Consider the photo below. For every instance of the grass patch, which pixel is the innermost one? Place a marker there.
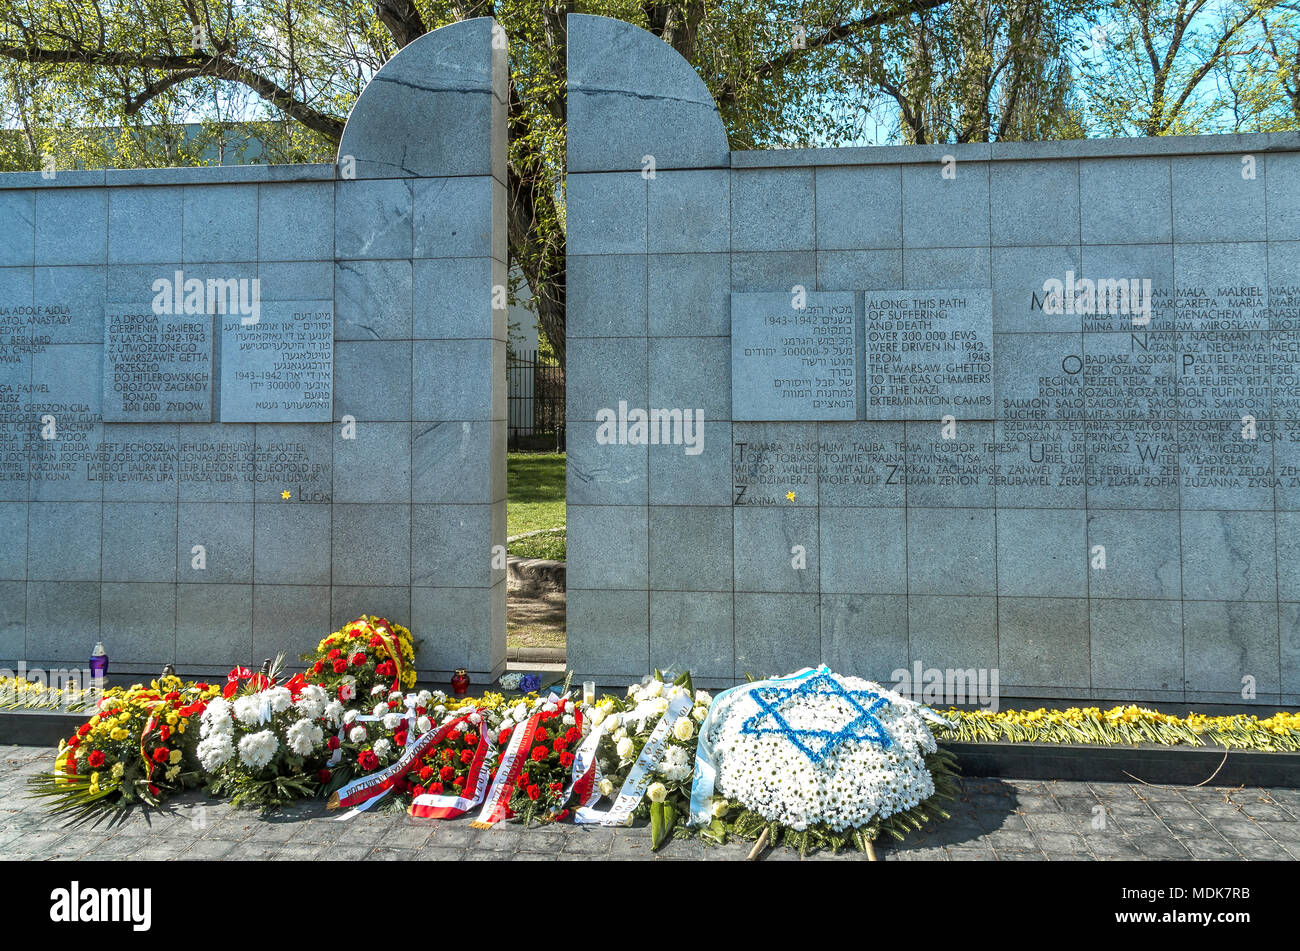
(535, 501)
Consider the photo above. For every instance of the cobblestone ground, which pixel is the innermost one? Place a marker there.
(1007, 820)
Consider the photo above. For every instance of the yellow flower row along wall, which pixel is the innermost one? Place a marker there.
(1279, 732)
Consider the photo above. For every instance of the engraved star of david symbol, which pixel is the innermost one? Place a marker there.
(816, 744)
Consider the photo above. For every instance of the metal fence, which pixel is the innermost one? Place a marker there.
(535, 398)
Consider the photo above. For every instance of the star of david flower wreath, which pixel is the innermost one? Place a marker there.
(823, 752)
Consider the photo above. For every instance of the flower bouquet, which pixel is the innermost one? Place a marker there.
(136, 748)
(818, 760)
(362, 655)
(267, 746)
(644, 720)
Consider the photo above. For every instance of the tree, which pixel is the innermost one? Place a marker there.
(1157, 54)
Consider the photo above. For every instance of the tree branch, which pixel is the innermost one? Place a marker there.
(830, 37)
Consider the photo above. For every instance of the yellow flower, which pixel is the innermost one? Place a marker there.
(118, 735)
(175, 757)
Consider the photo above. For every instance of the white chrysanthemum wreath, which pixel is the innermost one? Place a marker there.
(827, 756)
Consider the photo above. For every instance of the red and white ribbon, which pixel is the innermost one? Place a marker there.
(439, 806)
(376, 784)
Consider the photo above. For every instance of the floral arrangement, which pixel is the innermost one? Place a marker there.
(267, 745)
(1279, 732)
(20, 694)
(367, 653)
(138, 747)
(820, 759)
(545, 733)
(628, 725)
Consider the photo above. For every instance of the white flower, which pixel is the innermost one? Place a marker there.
(699, 713)
(312, 701)
(392, 721)
(654, 688)
(248, 709)
(279, 698)
(333, 713)
(657, 792)
(215, 750)
(350, 717)
(358, 734)
(606, 787)
(676, 764)
(257, 749)
(382, 748)
(718, 807)
(624, 748)
(216, 719)
(683, 729)
(303, 737)
(422, 698)
(423, 725)
(377, 689)
(568, 719)
(520, 713)
(381, 709)
(598, 715)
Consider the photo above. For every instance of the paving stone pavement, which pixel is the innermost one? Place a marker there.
(1006, 820)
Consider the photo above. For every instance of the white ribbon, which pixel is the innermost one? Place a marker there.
(638, 780)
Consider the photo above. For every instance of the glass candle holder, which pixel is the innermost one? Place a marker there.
(589, 692)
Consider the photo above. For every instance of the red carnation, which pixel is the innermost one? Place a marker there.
(572, 734)
(556, 788)
(317, 667)
(561, 815)
(503, 737)
(332, 743)
(74, 741)
(471, 739)
(340, 666)
(376, 641)
(467, 756)
(534, 793)
(154, 790)
(400, 737)
(559, 744)
(541, 736)
(324, 775)
(95, 759)
(566, 759)
(436, 789)
(446, 773)
(358, 659)
(335, 654)
(459, 781)
(386, 669)
(417, 790)
(164, 733)
(524, 779)
(161, 754)
(83, 729)
(540, 753)
(426, 774)
(368, 760)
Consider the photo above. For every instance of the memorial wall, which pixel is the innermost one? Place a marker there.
(240, 406)
(1024, 408)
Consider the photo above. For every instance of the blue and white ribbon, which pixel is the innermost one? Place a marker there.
(706, 770)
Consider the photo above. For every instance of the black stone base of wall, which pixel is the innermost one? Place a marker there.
(1157, 765)
(1147, 763)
